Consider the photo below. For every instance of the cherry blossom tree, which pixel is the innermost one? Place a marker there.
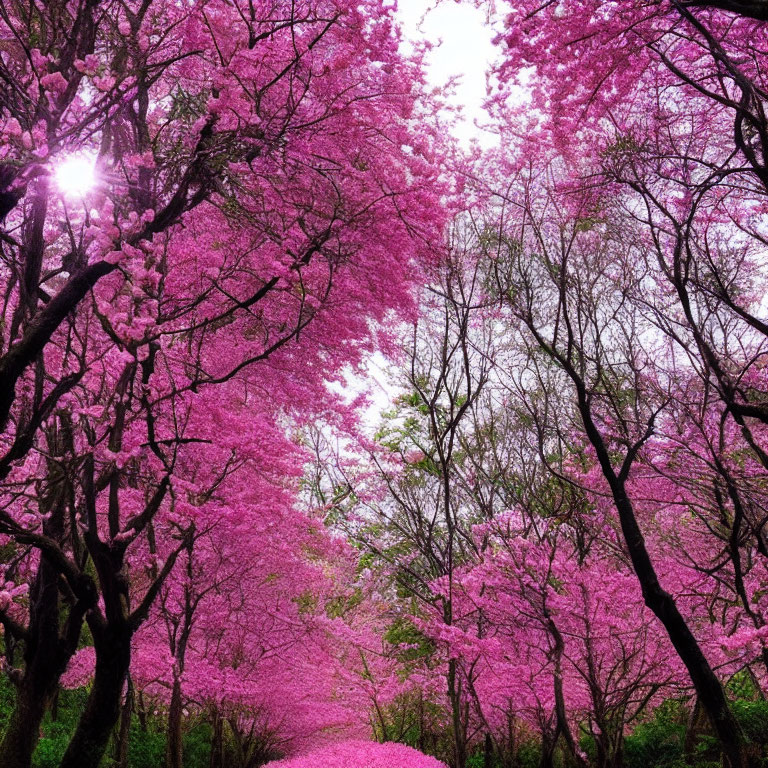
(566, 285)
(556, 644)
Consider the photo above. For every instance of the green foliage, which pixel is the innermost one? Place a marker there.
(753, 719)
(146, 746)
(146, 749)
(197, 746)
(658, 742)
(529, 754)
(56, 732)
(742, 686)
(51, 747)
(340, 605)
(403, 633)
(7, 695)
(7, 552)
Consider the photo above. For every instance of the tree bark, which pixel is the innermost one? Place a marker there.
(692, 731)
(174, 754)
(459, 742)
(46, 653)
(217, 741)
(102, 710)
(562, 726)
(753, 9)
(124, 735)
(547, 752)
(23, 729)
(488, 751)
(706, 683)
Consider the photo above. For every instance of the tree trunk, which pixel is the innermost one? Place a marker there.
(23, 729)
(123, 737)
(547, 752)
(511, 751)
(601, 748)
(217, 742)
(488, 751)
(45, 659)
(48, 646)
(454, 694)
(706, 683)
(141, 711)
(617, 760)
(174, 754)
(562, 726)
(692, 731)
(102, 710)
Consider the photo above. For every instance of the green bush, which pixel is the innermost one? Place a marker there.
(56, 733)
(146, 749)
(657, 743)
(476, 760)
(51, 747)
(7, 697)
(197, 746)
(529, 754)
(753, 719)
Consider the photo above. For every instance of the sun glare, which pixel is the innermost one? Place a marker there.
(76, 175)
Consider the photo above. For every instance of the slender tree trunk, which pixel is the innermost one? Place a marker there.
(48, 646)
(217, 741)
(547, 752)
(692, 731)
(141, 711)
(618, 755)
(459, 743)
(511, 752)
(174, 754)
(488, 751)
(102, 710)
(710, 691)
(124, 734)
(45, 658)
(562, 725)
(602, 751)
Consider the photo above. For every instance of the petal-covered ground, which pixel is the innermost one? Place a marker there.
(361, 754)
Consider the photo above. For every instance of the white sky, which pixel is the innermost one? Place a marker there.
(465, 50)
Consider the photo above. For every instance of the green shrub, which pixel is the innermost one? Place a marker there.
(529, 754)
(197, 746)
(49, 752)
(476, 760)
(657, 743)
(753, 719)
(51, 747)
(146, 749)
(56, 733)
